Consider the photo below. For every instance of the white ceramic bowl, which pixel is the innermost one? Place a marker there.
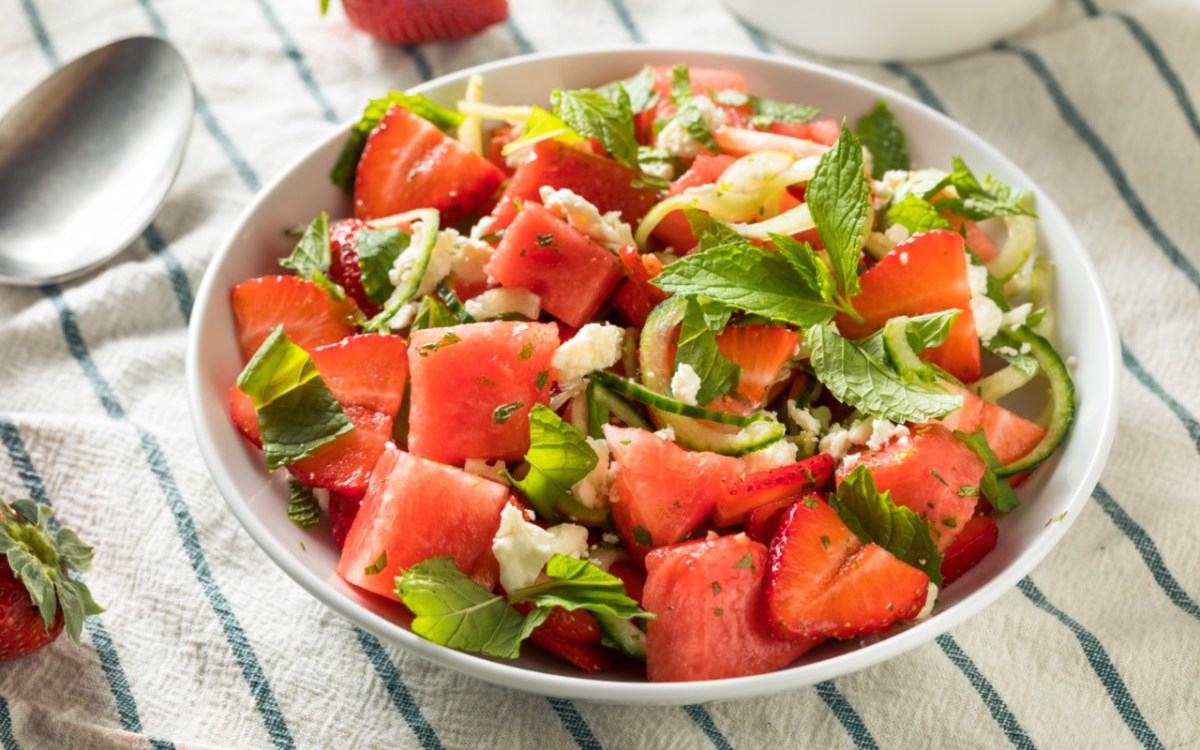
(879, 30)
(303, 189)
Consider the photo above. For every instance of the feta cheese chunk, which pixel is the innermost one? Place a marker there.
(606, 229)
(468, 256)
(592, 490)
(677, 141)
(988, 316)
(872, 433)
(596, 346)
(779, 453)
(930, 601)
(523, 548)
(685, 384)
(503, 300)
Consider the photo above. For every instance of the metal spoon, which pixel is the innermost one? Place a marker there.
(87, 157)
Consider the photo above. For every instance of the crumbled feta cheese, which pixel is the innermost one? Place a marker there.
(481, 468)
(882, 431)
(988, 315)
(685, 384)
(666, 433)
(779, 453)
(897, 233)
(850, 460)
(440, 261)
(321, 495)
(930, 600)
(1006, 351)
(504, 300)
(483, 227)
(677, 141)
(663, 170)
(610, 538)
(1016, 317)
(592, 490)
(606, 229)
(404, 317)
(810, 425)
(1026, 347)
(523, 548)
(596, 346)
(1071, 361)
(872, 433)
(468, 256)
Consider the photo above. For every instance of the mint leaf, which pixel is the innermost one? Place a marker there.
(592, 115)
(880, 132)
(871, 386)
(916, 215)
(876, 519)
(638, 87)
(687, 112)
(347, 164)
(709, 231)
(454, 611)
(749, 278)
(803, 259)
(767, 111)
(923, 332)
(839, 198)
(650, 157)
(312, 253)
(559, 456)
(432, 313)
(698, 349)
(997, 491)
(296, 412)
(377, 252)
(542, 126)
(1008, 348)
(303, 508)
(977, 202)
(579, 584)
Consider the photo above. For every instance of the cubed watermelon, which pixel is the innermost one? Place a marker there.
(1010, 436)
(542, 253)
(706, 598)
(415, 510)
(600, 180)
(473, 387)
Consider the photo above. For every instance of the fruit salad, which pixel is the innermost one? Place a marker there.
(664, 375)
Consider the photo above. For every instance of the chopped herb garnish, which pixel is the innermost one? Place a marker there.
(504, 412)
(968, 490)
(825, 542)
(641, 536)
(377, 567)
(745, 563)
(938, 477)
(542, 377)
(450, 338)
(526, 351)
(716, 587)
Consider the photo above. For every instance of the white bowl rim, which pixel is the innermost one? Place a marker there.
(677, 693)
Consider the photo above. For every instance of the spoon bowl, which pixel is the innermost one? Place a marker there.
(88, 156)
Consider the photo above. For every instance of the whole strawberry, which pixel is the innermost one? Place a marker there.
(418, 21)
(38, 599)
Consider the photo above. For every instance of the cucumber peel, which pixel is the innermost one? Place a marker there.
(1061, 408)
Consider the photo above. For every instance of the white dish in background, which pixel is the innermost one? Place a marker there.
(1058, 490)
(875, 31)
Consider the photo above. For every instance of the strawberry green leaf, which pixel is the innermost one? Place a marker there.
(72, 552)
(875, 518)
(454, 611)
(296, 411)
(881, 133)
(839, 197)
(559, 456)
(997, 491)
(579, 584)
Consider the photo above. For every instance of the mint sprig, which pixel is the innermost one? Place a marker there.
(697, 348)
(916, 215)
(377, 252)
(311, 257)
(303, 508)
(997, 491)
(766, 111)
(592, 115)
(881, 133)
(296, 411)
(639, 88)
(708, 231)
(558, 457)
(579, 584)
(687, 112)
(876, 519)
(978, 201)
(923, 332)
(838, 197)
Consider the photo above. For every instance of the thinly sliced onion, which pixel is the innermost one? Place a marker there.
(482, 110)
(798, 219)
(1041, 288)
(470, 131)
(1022, 237)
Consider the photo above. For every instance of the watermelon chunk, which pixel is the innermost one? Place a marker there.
(309, 315)
(462, 374)
(706, 597)
(661, 492)
(1009, 435)
(603, 182)
(542, 253)
(674, 231)
(415, 510)
(925, 274)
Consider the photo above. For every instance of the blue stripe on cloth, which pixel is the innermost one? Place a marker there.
(1106, 158)
(1101, 664)
(1156, 55)
(1148, 550)
(1146, 379)
(575, 724)
(110, 662)
(39, 32)
(918, 85)
(175, 273)
(845, 713)
(626, 20)
(252, 670)
(759, 40)
(398, 692)
(7, 740)
(424, 69)
(518, 36)
(704, 720)
(293, 53)
(995, 704)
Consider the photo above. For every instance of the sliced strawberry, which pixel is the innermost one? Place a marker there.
(367, 375)
(419, 21)
(762, 523)
(408, 163)
(636, 296)
(590, 658)
(761, 351)
(632, 576)
(342, 511)
(977, 539)
(241, 409)
(344, 267)
(823, 582)
(784, 483)
(498, 138)
(309, 315)
(573, 626)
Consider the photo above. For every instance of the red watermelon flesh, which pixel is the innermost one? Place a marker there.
(462, 374)
(1008, 435)
(309, 315)
(415, 510)
(661, 492)
(709, 624)
(573, 275)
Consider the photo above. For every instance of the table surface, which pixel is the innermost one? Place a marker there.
(206, 644)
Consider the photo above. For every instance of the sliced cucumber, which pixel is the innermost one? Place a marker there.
(1041, 286)
(569, 506)
(408, 288)
(1022, 237)
(690, 432)
(901, 354)
(1061, 408)
(624, 635)
(603, 403)
(1001, 383)
(659, 402)
(453, 303)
